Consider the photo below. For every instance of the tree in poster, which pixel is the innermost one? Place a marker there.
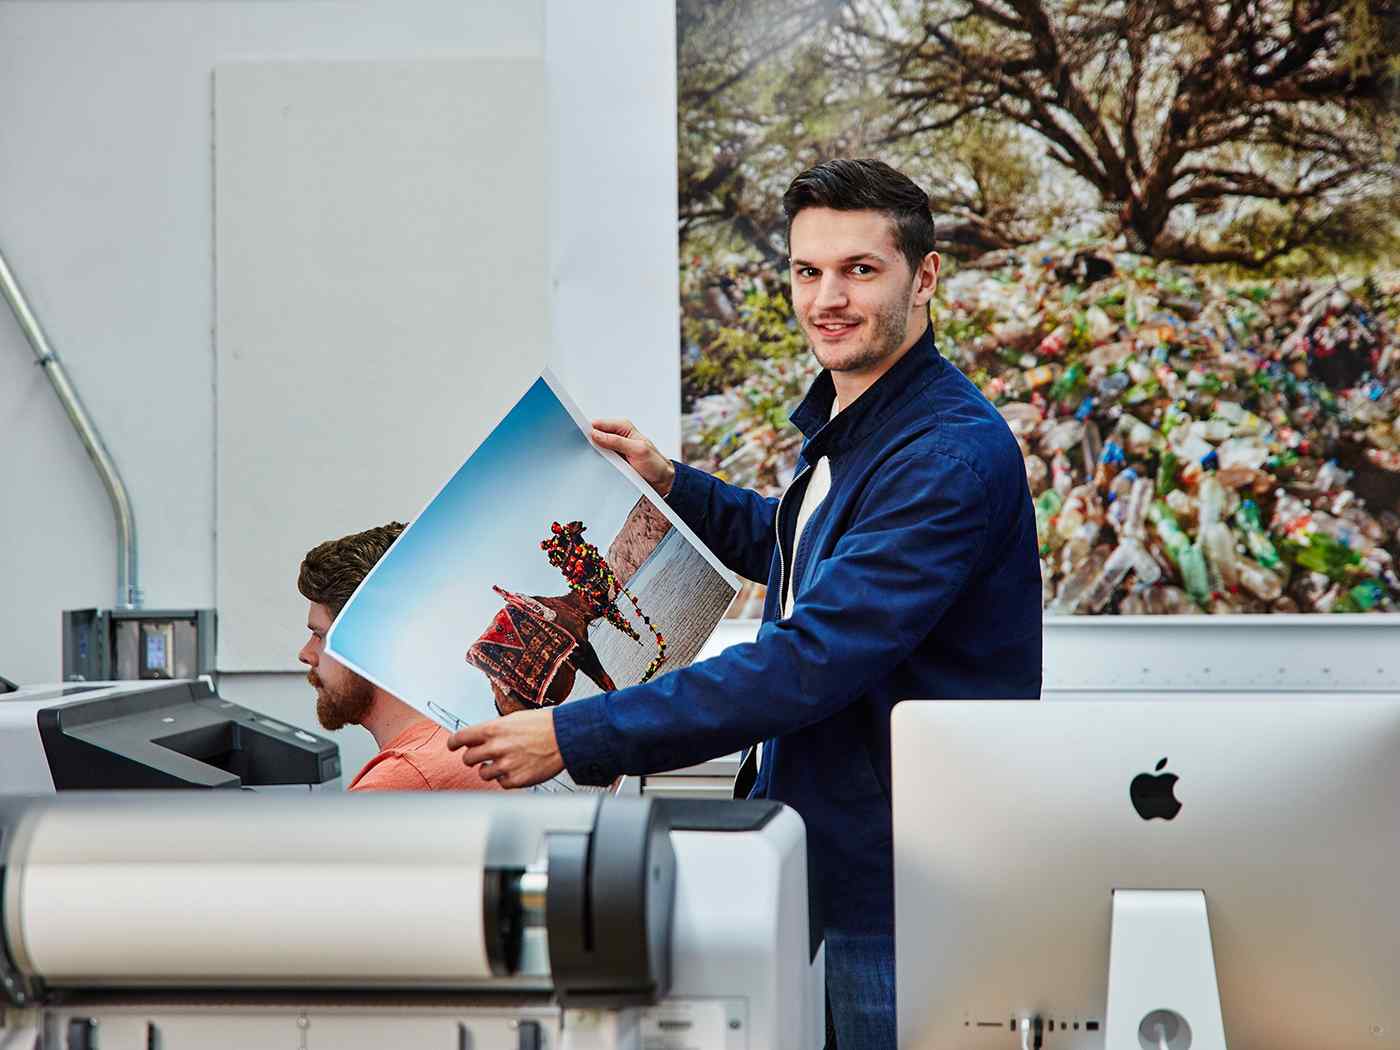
(1208, 132)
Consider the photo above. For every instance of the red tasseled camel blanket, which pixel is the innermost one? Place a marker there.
(522, 648)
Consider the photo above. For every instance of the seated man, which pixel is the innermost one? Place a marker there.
(413, 753)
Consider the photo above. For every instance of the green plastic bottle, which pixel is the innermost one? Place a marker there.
(1189, 559)
(1047, 505)
(1255, 535)
(1327, 555)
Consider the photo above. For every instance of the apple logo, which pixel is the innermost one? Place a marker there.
(1155, 796)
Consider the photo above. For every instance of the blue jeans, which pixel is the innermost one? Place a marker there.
(860, 989)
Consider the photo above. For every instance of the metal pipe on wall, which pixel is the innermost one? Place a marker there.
(128, 585)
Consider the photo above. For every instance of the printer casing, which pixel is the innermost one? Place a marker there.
(98, 736)
(628, 924)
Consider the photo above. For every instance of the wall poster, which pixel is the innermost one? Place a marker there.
(1171, 258)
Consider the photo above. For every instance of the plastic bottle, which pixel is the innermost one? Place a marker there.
(1210, 501)
(1258, 580)
(1081, 503)
(1061, 475)
(1167, 472)
(1129, 556)
(1138, 507)
(1329, 599)
(1255, 537)
(1063, 435)
(1145, 567)
(1189, 560)
(1112, 386)
(1068, 382)
(1099, 324)
(1110, 577)
(1047, 505)
(1021, 417)
(1164, 600)
(1326, 555)
(1170, 601)
(1217, 543)
(1183, 505)
(1053, 345)
(1214, 538)
(1121, 485)
(1386, 459)
(1367, 594)
(1078, 544)
(1037, 474)
(1137, 436)
(1243, 452)
(1110, 463)
(1072, 587)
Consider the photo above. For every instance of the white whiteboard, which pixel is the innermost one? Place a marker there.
(381, 276)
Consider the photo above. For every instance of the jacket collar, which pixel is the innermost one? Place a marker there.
(909, 376)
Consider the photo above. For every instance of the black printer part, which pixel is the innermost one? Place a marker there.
(708, 814)
(608, 907)
(503, 920)
(180, 735)
(14, 989)
(529, 1036)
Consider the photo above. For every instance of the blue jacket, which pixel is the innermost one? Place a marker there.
(917, 577)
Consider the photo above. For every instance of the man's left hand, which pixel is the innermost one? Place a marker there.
(517, 751)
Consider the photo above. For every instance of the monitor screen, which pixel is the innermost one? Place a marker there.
(1019, 827)
(155, 649)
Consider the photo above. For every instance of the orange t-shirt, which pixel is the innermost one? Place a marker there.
(418, 760)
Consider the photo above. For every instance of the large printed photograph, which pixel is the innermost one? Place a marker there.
(544, 570)
(1171, 242)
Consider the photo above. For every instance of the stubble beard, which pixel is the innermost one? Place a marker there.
(338, 708)
(888, 330)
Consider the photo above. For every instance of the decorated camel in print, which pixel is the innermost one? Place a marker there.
(534, 647)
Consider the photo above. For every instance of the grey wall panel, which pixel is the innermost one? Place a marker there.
(382, 267)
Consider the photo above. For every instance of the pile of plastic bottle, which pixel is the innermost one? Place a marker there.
(1191, 445)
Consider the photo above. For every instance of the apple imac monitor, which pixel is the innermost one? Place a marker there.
(1120, 874)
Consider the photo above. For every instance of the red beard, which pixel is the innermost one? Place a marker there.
(336, 709)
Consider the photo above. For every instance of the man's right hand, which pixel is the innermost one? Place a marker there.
(620, 436)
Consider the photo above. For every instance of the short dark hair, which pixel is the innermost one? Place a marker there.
(866, 185)
(331, 571)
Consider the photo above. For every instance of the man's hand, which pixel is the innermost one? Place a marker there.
(518, 750)
(620, 436)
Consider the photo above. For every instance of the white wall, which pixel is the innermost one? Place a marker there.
(106, 218)
(613, 125)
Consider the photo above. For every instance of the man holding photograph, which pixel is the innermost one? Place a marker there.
(901, 564)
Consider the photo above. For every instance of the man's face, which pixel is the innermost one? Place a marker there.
(851, 287)
(342, 697)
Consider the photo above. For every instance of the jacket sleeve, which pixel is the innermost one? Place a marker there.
(735, 523)
(917, 535)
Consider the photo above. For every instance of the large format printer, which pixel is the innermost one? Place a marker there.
(157, 734)
(468, 921)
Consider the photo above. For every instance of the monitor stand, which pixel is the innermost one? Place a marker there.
(1162, 991)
